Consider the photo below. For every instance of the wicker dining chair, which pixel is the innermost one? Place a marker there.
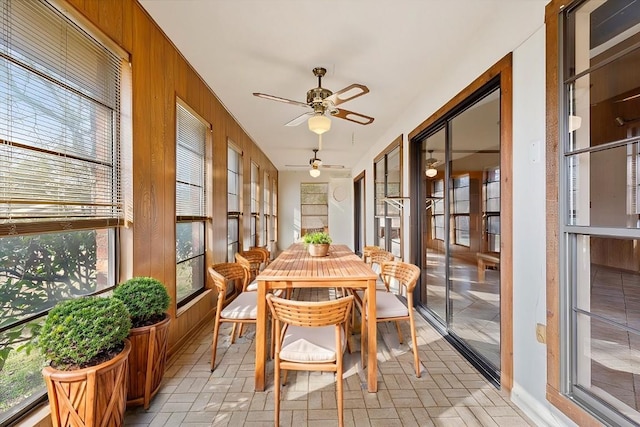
(376, 258)
(256, 258)
(266, 254)
(252, 286)
(311, 336)
(242, 309)
(366, 252)
(390, 308)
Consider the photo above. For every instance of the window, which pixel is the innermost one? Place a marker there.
(266, 204)
(437, 216)
(255, 203)
(387, 181)
(191, 216)
(460, 210)
(274, 210)
(491, 209)
(60, 175)
(314, 207)
(234, 200)
(599, 229)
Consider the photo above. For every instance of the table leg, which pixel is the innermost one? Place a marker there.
(261, 337)
(372, 339)
(481, 268)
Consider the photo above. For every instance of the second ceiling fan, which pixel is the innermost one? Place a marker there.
(321, 101)
(315, 164)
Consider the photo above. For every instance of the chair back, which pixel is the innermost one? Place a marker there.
(406, 275)
(310, 314)
(378, 257)
(243, 261)
(366, 253)
(254, 255)
(225, 272)
(255, 258)
(265, 253)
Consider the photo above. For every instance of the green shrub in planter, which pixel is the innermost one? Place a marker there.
(146, 299)
(83, 332)
(317, 238)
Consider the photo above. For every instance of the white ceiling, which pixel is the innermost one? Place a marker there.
(399, 49)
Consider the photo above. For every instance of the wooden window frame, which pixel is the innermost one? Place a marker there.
(382, 156)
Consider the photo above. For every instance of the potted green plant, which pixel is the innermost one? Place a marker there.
(85, 340)
(147, 301)
(317, 243)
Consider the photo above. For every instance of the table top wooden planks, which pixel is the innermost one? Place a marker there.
(295, 264)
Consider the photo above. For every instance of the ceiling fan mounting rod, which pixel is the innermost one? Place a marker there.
(316, 96)
(319, 72)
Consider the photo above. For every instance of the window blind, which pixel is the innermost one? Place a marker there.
(234, 180)
(190, 164)
(59, 123)
(255, 176)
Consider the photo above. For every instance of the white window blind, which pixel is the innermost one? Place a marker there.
(59, 123)
(190, 164)
(234, 179)
(255, 176)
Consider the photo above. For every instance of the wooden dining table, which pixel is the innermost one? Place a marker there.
(295, 268)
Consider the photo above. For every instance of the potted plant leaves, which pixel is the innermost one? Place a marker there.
(147, 301)
(85, 340)
(317, 243)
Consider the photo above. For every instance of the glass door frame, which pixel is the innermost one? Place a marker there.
(500, 73)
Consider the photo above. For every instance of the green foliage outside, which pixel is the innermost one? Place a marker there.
(36, 272)
(144, 297)
(317, 238)
(78, 330)
(20, 378)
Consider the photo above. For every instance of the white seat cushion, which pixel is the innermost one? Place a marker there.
(245, 306)
(376, 268)
(309, 345)
(388, 305)
(253, 287)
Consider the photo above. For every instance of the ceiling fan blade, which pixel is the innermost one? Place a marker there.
(348, 93)
(353, 117)
(628, 98)
(300, 119)
(277, 98)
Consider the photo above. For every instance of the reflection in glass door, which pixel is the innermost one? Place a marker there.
(434, 278)
(460, 283)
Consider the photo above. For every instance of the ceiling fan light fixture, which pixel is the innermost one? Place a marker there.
(319, 124)
(431, 172)
(314, 172)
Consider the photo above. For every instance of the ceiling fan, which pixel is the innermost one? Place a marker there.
(321, 101)
(315, 164)
(432, 163)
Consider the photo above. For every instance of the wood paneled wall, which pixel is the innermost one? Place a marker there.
(160, 76)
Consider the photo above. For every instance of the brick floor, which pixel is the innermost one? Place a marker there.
(449, 393)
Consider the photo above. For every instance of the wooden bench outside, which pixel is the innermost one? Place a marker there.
(486, 260)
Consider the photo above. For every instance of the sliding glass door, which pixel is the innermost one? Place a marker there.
(460, 227)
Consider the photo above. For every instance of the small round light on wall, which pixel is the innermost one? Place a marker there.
(431, 172)
(319, 124)
(314, 172)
